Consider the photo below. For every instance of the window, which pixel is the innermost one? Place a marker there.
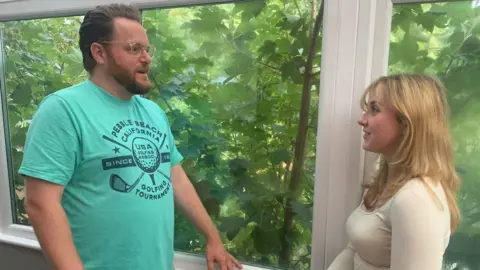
(230, 78)
(41, 56)
(443, 39)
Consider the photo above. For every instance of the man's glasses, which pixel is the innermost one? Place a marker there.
(134, 48)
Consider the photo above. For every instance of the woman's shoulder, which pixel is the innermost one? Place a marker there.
(421, 187)
(420, 194)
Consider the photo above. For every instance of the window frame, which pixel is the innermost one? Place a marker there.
(355, 48)
(18, 9)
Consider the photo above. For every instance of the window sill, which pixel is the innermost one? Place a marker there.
(9, 237)
(23, 236)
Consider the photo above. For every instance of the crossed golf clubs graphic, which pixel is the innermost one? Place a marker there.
(145, 164)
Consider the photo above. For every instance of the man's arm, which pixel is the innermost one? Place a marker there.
(186, 198)
(50, 155)
(50, 223)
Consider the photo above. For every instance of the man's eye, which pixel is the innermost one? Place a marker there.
(135, 49)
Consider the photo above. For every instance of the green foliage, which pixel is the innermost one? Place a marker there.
(234, 80)
(230, 79)
(41, 57)
(443, 39)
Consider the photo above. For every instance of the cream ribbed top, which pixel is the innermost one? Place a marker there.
(409, 232)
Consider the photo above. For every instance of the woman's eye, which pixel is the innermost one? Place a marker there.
(374, 108)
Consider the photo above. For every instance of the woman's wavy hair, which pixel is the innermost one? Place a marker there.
(425, 150)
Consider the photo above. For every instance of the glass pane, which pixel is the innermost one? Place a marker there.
(41, 56)
(230, 78)
(443, 39)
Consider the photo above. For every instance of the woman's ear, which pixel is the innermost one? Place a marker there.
(402, 121)
(404, 126)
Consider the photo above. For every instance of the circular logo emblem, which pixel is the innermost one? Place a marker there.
(146, 155)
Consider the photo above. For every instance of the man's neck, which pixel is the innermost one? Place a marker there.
(108, 84)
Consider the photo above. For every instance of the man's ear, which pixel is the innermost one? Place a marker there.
(98, 53)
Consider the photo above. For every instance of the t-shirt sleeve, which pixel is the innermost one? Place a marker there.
(418, 231)
(175, 156)
(51, 149)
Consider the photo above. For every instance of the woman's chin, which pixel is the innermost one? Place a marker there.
(367, 147)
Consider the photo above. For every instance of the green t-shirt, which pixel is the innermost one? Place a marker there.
(114, 158)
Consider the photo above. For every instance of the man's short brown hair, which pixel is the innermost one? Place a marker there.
(97, 26)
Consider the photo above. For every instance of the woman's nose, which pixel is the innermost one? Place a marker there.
(362, 121)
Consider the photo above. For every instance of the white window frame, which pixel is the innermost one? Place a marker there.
(356, 36)
(355, 52)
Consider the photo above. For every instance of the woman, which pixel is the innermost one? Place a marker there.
(409, 210)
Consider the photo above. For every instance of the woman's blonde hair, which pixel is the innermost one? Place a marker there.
(425, 150)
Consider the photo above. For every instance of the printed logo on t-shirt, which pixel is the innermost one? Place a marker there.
(142, 144)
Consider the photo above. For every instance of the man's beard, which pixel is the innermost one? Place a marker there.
(126, 79)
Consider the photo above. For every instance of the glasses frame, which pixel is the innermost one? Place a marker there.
(149, 49)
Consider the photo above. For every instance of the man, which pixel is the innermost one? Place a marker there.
(101, 168)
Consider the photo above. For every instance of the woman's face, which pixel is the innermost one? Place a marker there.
(381, 128)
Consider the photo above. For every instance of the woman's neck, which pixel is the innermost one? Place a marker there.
(393, 170)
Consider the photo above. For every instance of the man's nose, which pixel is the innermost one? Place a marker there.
(146, 58)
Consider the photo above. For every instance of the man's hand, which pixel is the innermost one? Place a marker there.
(216, 253)
(186, 198)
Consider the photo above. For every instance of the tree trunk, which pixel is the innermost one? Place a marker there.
(314, 11)
(300, 142)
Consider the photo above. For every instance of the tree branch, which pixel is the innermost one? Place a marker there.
(314, 5)
(61, 68)
(300, 142)
(298, 8)
(449, 64)
(249, 56)
(267, 65)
